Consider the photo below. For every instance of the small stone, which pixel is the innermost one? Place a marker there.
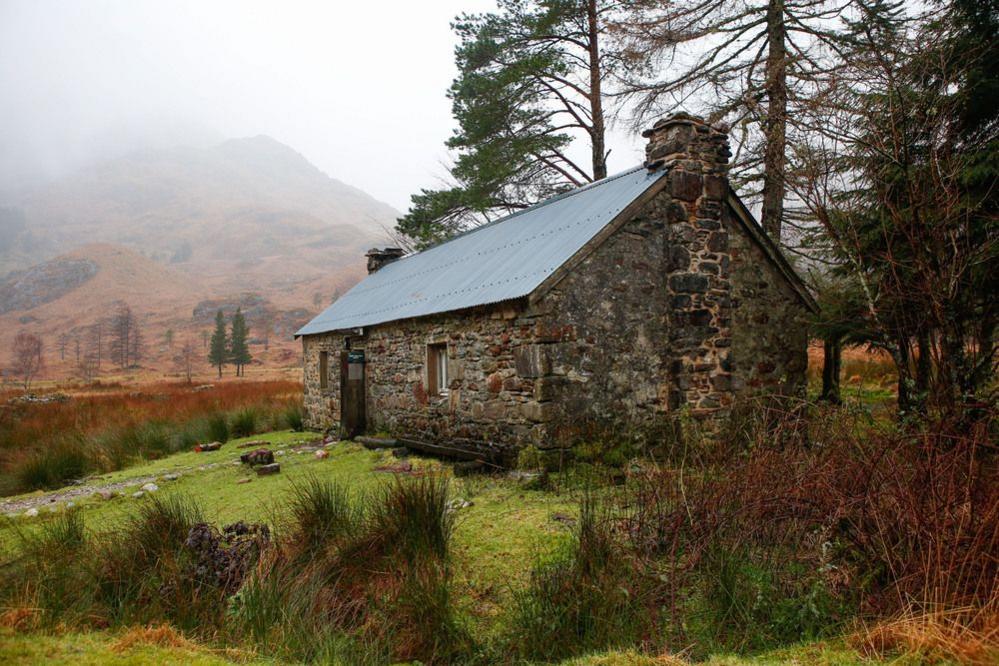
(210, 446)
(173, 476)
(70, 505)
(137, 494)
(31, 513)
(106, 494)
(563, 518)
(280, 452)
(149, 487)
(458, 504)
(245, 479)
(264, 470)
(322, 454)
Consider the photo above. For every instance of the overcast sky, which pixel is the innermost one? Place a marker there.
(357, 87)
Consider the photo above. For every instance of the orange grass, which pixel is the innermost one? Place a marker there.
(964, 635)
(157, 635)
(28, 428)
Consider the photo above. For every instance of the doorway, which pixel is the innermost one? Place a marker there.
(352, 412)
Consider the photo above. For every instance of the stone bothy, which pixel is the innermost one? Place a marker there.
(606, 309)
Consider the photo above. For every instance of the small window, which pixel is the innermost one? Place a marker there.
(437, 368)
(324, 369)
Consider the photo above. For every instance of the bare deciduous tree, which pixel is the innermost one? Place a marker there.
(27, 358)
(754, 64)
(184, 360)
(125, 344)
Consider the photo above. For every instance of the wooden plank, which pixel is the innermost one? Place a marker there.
(377, 442)
(448, 450)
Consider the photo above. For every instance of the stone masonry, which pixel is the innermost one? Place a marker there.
(678, 305)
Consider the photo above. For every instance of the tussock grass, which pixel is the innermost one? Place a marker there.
(961, 635)
(360, 579)
(586, 596)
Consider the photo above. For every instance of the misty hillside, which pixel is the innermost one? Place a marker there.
(243, 201)
(178, 234)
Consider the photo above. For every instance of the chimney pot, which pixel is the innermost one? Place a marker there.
(378, 258)
(682, 137)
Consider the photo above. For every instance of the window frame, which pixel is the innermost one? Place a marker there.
(324, 370)
(438, 383)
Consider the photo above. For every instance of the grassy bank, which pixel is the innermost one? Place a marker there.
(373, 559)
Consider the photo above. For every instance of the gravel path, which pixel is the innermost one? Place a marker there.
(72, 493)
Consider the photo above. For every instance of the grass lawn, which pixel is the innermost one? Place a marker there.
(498, 536)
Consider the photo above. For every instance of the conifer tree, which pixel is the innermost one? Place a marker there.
(239, 349)
(218, 348)
(530, 78)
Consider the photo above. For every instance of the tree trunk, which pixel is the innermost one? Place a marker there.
(775, 127)
(923, 368)
(905, 384)
(832, 355)
(596, 103)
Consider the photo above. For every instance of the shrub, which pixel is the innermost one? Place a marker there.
(244, 422)
(812, 527)
(294, 417)
(138, 570)
(321, 511)
(586, 596)
(66, 460)
(218, 428)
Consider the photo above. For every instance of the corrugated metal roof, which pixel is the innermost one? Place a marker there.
(508, 258)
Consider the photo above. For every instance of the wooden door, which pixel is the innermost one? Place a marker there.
(352, 415)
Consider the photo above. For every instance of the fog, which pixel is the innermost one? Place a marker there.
(358, 88)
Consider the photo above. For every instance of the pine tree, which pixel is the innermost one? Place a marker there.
(529, 85)
(218, 348)
(239, 350)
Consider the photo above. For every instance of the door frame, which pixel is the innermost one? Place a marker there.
(353, 393)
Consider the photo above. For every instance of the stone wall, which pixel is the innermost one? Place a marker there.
(322, 406)
(769, 323)
(607, 353)
(487, 400)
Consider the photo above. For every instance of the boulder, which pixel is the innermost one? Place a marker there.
(272, 468)
(210, 446)
(258, 457)
(149, 487)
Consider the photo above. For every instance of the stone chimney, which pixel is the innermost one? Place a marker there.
(695, 156)
(378, 258)
(687, 142)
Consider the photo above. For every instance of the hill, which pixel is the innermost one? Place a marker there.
(176, 233)
(242, 200)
